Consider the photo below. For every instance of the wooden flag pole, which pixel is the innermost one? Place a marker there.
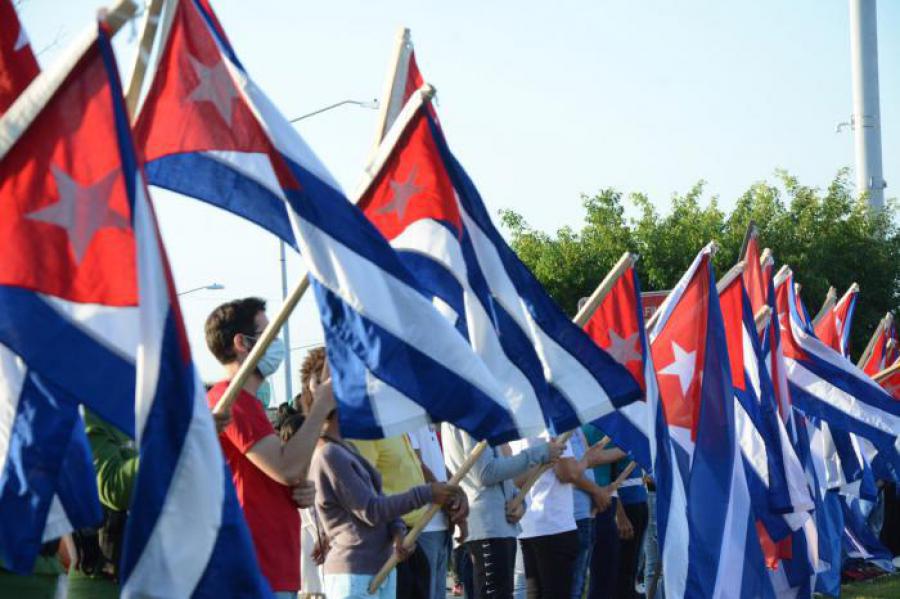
(273, 329)
(880, 376)
(392, 94)
(729, 277)
(410, 538)
(535, 474)
(882, 325)
(827, 305)
(626, 261)
(762, 319)
(143, 57)
(623, 476)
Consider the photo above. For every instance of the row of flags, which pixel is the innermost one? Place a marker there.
(729, 395)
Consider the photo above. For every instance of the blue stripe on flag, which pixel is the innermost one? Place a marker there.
(356, 343)
(162, 441)
(39, 437)
(31, 328)
(211, 181)
(713, 460)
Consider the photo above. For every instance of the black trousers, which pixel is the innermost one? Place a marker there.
(549, 561)
(414, 577)
(630, 550)
(495, 563)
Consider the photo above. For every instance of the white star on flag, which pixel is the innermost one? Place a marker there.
(215, 86)
(82, 210)
(624, 350)
(683, 367)
(402, 194)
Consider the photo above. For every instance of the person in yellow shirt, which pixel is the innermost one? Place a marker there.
(400, 470)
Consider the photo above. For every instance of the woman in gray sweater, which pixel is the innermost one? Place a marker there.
(362, 525)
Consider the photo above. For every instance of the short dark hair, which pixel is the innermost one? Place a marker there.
(311, 367)
(228, 320)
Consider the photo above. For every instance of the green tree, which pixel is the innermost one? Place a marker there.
(828, 237)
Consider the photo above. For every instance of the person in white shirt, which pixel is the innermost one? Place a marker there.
(435, 538)
(549, 536)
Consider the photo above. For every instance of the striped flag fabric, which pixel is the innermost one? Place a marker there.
(46, 476)
(827, 386)
(834, 328)
(774, 474)
(209, 132)
(617, 325)
(688, 343)
(797, 556)
(73, 197)
(880, 351)
(418, 196)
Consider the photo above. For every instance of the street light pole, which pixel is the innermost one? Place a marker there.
(210, 287)
(866, 119)
(285, 330)
(282, 248)
(373, 104)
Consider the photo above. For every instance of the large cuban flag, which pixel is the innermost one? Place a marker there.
(208, 131)
(882, 348)
(794, 573)
(824, 384)
(710, 511)
(419, 197)
(834, 328)
(88, 307)
(775, 476)
(47, 481)
(617, 325)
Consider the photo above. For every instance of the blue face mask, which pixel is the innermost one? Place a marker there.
(272, 359)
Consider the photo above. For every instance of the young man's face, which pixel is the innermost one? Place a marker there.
(244, 342)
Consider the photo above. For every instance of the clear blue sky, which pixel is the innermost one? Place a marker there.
(541, 101)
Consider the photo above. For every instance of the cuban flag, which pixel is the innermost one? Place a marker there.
(775, 477)
(689, 347)
(617, 326)
(419, 197)
(889, 380)
(834, 328)
(207, 131)
(878, 353)
(89, 308)
(17, 62)
(47, 480)
(827, 386)
(795, 560)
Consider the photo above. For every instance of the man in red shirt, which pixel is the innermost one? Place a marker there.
(269, 475)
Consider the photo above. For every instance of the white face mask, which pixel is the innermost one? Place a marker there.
(272, 359)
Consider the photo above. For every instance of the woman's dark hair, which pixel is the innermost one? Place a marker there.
(291, 425)
(228, 320)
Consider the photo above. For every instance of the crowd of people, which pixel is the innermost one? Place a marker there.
(325, 513)
(328, 531)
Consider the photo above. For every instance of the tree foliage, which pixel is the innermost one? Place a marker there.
(828, 237)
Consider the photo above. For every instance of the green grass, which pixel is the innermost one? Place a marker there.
(885, 587)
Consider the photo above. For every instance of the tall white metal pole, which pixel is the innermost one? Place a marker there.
(285, 331)
(866, 113)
